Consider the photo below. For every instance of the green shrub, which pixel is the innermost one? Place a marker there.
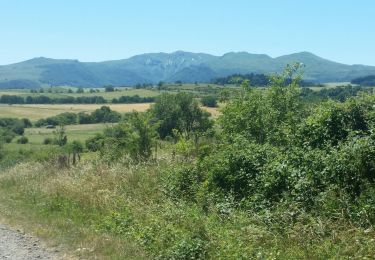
(23, 140)
(182, 182)
(47, 141)
(209, 101)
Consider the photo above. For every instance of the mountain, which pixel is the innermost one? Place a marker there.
(169, 67)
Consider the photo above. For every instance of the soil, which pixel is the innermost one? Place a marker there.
(16, 245)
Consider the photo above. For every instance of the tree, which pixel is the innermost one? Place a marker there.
(76, 148)
(179, 112)
(269, 115)
(109, 89)
(60, 136)
(143, 136)
(105, 115)
(23, 140)
(80, 90)
(209, 101)
(224, 95)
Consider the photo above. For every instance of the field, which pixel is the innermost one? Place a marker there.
(35, 112)
(36, 136)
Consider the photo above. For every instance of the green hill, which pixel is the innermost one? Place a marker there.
(169, 67)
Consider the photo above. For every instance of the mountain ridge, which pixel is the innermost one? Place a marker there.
(170, 67)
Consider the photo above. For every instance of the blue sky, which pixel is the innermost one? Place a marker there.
(94, 30)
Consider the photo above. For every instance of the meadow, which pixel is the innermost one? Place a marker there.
(39, 111)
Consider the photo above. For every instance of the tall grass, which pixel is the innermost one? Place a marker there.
(122, 212)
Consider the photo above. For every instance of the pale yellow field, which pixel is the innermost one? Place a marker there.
(215, 111)
(36, 112)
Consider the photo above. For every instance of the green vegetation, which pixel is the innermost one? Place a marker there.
(168, 67)
(339, 93)
(12, 99)
(100, 115)
(209, 101)
(368, 81)
(276, 176)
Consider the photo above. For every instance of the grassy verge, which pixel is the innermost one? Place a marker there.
(122, 212)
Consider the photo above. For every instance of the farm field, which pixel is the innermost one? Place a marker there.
(39, 111)
(36, 136)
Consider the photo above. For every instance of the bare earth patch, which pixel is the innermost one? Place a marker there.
(16, 245)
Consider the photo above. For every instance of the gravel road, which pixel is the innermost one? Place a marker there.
(15, 245)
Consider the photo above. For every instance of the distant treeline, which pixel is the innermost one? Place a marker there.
(340, 93)
(368, 81)
(14, 99)
(255, 80)
(132, 99)
(101, 115)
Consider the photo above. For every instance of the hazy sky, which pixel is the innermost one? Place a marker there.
(96, 30)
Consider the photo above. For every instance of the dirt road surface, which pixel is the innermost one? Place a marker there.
(15, 245)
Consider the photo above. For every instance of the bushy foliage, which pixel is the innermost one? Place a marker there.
(14, 99)
(105, 115)
(23, 140)
(179, 112)
(365, 81)
(132, 99)
(100, 115)
(133, 137)
(10, 127)
(265, 116)
(340, 93)
(209, 101)
(47, 141)
(276, 153)
(109, 89)
(331, 123)
(60, 136)
(66, 118)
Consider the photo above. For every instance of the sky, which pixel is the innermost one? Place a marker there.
(98, 30)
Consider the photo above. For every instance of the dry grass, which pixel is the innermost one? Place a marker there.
(35, 112)
(34, 206)
(39, 111)
(71, 207)
(215, 111)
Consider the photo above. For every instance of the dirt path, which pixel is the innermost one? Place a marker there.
(15, 245)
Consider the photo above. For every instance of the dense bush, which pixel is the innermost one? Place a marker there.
(47, 140)
(132, 99)
(365, 81)
(100, 115)
(180, 112)
(209, 101)
(340, 93)
(10, 127)
(23, 140)
(276, 153)
(109, 89)
(66, 118)
(105, 115)
(133, 137)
